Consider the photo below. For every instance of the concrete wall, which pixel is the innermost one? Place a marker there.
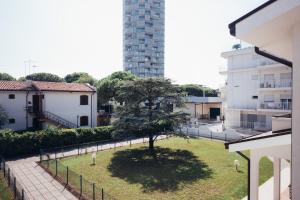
(67, 105)
(232, 118)
(280, 123)
(15, 108)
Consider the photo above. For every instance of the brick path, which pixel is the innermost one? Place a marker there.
(39, 185)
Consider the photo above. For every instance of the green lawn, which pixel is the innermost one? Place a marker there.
(5, 193)
(200, 169)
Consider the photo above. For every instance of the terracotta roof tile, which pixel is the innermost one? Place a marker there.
(62, 86)
(13, 85)
(45, 86)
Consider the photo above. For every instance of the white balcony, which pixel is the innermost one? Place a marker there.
(276, 105)
(280, 83)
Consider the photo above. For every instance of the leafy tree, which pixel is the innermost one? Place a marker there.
(6, 77)
(148, 107)
(22, 79)
(80, 77)
(198, 90)
(3, 117)
(107, 86)
(44, 77)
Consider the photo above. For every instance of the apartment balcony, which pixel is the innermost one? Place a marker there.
(286, 106)
(276, 84)
(258, 125)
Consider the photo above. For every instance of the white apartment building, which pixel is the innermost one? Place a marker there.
(257, 88)
(274, 29)
(34, 104)
(144, 37)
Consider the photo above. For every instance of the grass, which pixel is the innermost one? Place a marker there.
(200, 169)
(5, 193)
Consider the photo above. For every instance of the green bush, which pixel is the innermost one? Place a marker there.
(14, 144)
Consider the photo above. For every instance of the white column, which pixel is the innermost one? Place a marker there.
(277, 170)
(254, 175)
(296, 114)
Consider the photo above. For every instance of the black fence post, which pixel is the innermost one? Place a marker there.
(80, 178)
(211, 135)
(93, 191)
(4, 168)
(15, 188)
(8, 176)
(225, 137)
(97, 146)
(130, 142)
(55, 167)
(78, 150)
(67, 175)
(198, 133)
(102, 194)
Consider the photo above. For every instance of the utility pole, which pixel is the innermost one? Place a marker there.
(29, 62)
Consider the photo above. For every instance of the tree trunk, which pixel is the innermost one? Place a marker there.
(151, 143)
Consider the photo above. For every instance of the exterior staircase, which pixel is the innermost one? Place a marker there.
(58, 120)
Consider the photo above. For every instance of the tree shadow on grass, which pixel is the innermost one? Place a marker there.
(167, 171)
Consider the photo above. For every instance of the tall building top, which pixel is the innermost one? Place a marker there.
(143, 37)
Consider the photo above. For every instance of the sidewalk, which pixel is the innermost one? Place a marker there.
(39, 185)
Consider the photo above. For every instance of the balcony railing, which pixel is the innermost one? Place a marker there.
(258, 125)
(276, 105)
(282, 83)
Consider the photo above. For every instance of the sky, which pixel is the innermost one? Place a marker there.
(65, 36)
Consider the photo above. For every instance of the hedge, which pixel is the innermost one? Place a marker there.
(14, 144)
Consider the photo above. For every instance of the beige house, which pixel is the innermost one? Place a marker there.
(274, 29)
(203, 107)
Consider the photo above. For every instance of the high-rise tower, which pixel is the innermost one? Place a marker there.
(144, 37)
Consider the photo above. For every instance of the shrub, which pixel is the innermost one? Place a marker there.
(13, 144)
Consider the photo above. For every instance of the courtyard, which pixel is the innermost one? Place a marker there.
(180, 169)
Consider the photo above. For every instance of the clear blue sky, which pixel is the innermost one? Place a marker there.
(64, 36)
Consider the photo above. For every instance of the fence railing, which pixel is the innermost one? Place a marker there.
(197, 132)
(276, 105)
(79, 186)
(84, 189)
(13, 183)
(278, 83)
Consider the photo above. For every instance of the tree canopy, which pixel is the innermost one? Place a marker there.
(6, 77)
(3, 117)
(197, 90)
(106, 87)
(148, 107)
(44, 77)
(80, 77)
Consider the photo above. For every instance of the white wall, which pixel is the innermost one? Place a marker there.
(15, 108)
(232, 118)
(67, 105)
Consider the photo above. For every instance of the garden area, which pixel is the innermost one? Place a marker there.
(5, 192)
(179, 169)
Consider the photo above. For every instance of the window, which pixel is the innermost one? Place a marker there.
(11, 121)
(254, 97)
(84, 121)
(84, 100)
(11, 96)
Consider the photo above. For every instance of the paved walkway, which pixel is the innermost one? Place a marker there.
(39, 185)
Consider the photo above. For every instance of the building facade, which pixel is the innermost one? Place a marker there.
(40, 104)
(256, 89)
(144, 37)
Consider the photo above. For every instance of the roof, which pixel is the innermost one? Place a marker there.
(194, 99)
(13, 86)
(260, 136)
(45, 86)
(233, 24)
(62, 86)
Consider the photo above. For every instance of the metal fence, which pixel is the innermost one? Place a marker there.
(198, 132)
(76, 183)
(16, 188)
(84, 189)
